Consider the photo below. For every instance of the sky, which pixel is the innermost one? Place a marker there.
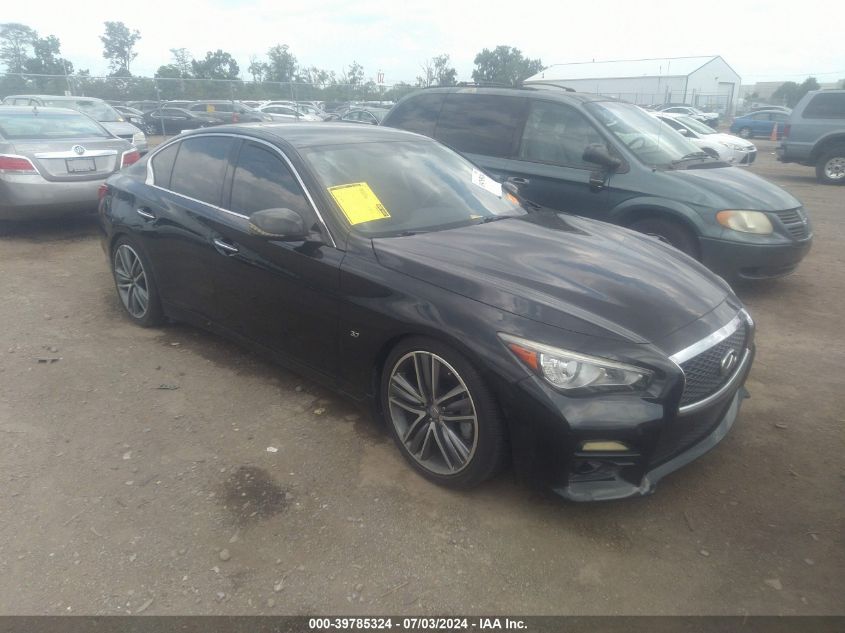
(762, 41)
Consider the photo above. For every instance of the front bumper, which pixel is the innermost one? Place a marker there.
(31, 197)
(747, 261)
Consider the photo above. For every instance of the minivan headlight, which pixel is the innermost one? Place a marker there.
(745, 221)
(138, 137)
(569, 371)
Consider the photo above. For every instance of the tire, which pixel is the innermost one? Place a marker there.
(830, 168)
(669, 231)
(745, 132)
(428, 435)
(133, 281)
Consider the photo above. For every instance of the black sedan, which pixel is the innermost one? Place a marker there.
(174, 120)
(479, 327)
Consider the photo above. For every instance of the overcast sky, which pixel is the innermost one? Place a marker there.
(762, 41)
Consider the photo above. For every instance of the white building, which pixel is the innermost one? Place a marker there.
(706, 82)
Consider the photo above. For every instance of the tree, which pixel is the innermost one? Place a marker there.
(257, 69)
(437, 72)
(119, 47)
(216, 65)
(355, 74)
(790, 93)
(504, 65)
(46, 58)
(281, 64)
(182, 61)
(16, 40)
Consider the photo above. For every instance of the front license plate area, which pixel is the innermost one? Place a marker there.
(80, 165)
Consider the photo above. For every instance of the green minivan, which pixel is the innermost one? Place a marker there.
(609, 160)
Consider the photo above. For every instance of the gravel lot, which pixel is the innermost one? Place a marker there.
(135, 474)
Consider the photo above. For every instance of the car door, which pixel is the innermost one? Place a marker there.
(174, 220)
(175, 120)
(283, 295)
(548, 167)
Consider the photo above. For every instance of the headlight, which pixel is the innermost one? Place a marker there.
(571, 371)
(745, 221)
(138, 137)
(734, 146)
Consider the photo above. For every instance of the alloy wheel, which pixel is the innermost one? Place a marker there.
(433, 413)
(834, 169)
(131, 279)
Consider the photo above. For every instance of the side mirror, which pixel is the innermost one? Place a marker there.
(278, 224)
(599, 154)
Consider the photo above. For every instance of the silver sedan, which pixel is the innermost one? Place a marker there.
(53, 161)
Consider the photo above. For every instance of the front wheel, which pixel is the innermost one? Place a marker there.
(830, 168)
(442, 415)
(135, 285)
(670, 232)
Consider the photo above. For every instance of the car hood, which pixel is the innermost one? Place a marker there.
(565, 271)
(729, 188)
(730, 138)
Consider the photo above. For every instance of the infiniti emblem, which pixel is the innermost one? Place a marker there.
(78, 149)
(728, 362)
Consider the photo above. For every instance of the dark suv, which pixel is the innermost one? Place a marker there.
(610, 160)
(815, 135)
(228, 111)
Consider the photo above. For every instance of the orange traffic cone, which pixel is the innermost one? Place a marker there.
(774, 135)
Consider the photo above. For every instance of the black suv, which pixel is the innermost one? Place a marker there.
(228, 111)
(815, 135)
(610, 160)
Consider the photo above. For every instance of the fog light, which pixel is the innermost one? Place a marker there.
(604, 447)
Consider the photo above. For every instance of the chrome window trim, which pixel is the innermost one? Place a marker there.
(94, 153)
(708, 341)
(150, 180)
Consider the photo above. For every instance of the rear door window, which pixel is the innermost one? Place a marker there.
(481, 123)
(263, 181)
(417, 114)
(826, 106)
(200, 168)
(162, 165)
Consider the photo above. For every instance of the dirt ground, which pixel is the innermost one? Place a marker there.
(136, 475)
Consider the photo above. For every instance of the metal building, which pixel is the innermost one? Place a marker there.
(705, 82)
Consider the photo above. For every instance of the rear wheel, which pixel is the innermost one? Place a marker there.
(745, 132)
(670, 232)
(441, 414)
(830, 168)
(135, 285)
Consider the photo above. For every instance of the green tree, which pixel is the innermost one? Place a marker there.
(257, 68)
(790, 93)
(216, 65)
(119, 47)
(504, 65)
(355, 75)
(16, 41)
(437, 72)
(281, 64)
(182, 60)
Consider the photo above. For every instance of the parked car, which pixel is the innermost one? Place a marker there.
(770, 107)
(710, 118)
(815, 135)
(726, 147)
(135, 117)
(52, 161)
(598, 157)
(760, 123)
(387, 266)
(97, 109)
(371, 116)
(144, 106)
(171, 120)
(286, 113)
(228, 111)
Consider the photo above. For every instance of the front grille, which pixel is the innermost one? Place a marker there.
(794, 222)
(749, 158)
(703, 372)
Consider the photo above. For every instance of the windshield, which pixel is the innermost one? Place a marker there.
(97, 110)
(394, 188)
(645, 135)
(44, 126)
(695, 125)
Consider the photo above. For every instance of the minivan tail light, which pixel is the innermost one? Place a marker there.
(16, 164)
(130, 157)
(786, 129)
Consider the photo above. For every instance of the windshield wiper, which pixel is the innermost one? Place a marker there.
(691, 156)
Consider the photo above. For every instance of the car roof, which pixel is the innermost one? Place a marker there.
(35, 110)
(530, 92)
(303, 135)
(766, 111)
(54, 97)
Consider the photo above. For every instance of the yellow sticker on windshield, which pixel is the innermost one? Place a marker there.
(358, 203)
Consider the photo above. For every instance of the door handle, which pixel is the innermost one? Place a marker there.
(144, 212)
(224, 247)
(518, 181)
